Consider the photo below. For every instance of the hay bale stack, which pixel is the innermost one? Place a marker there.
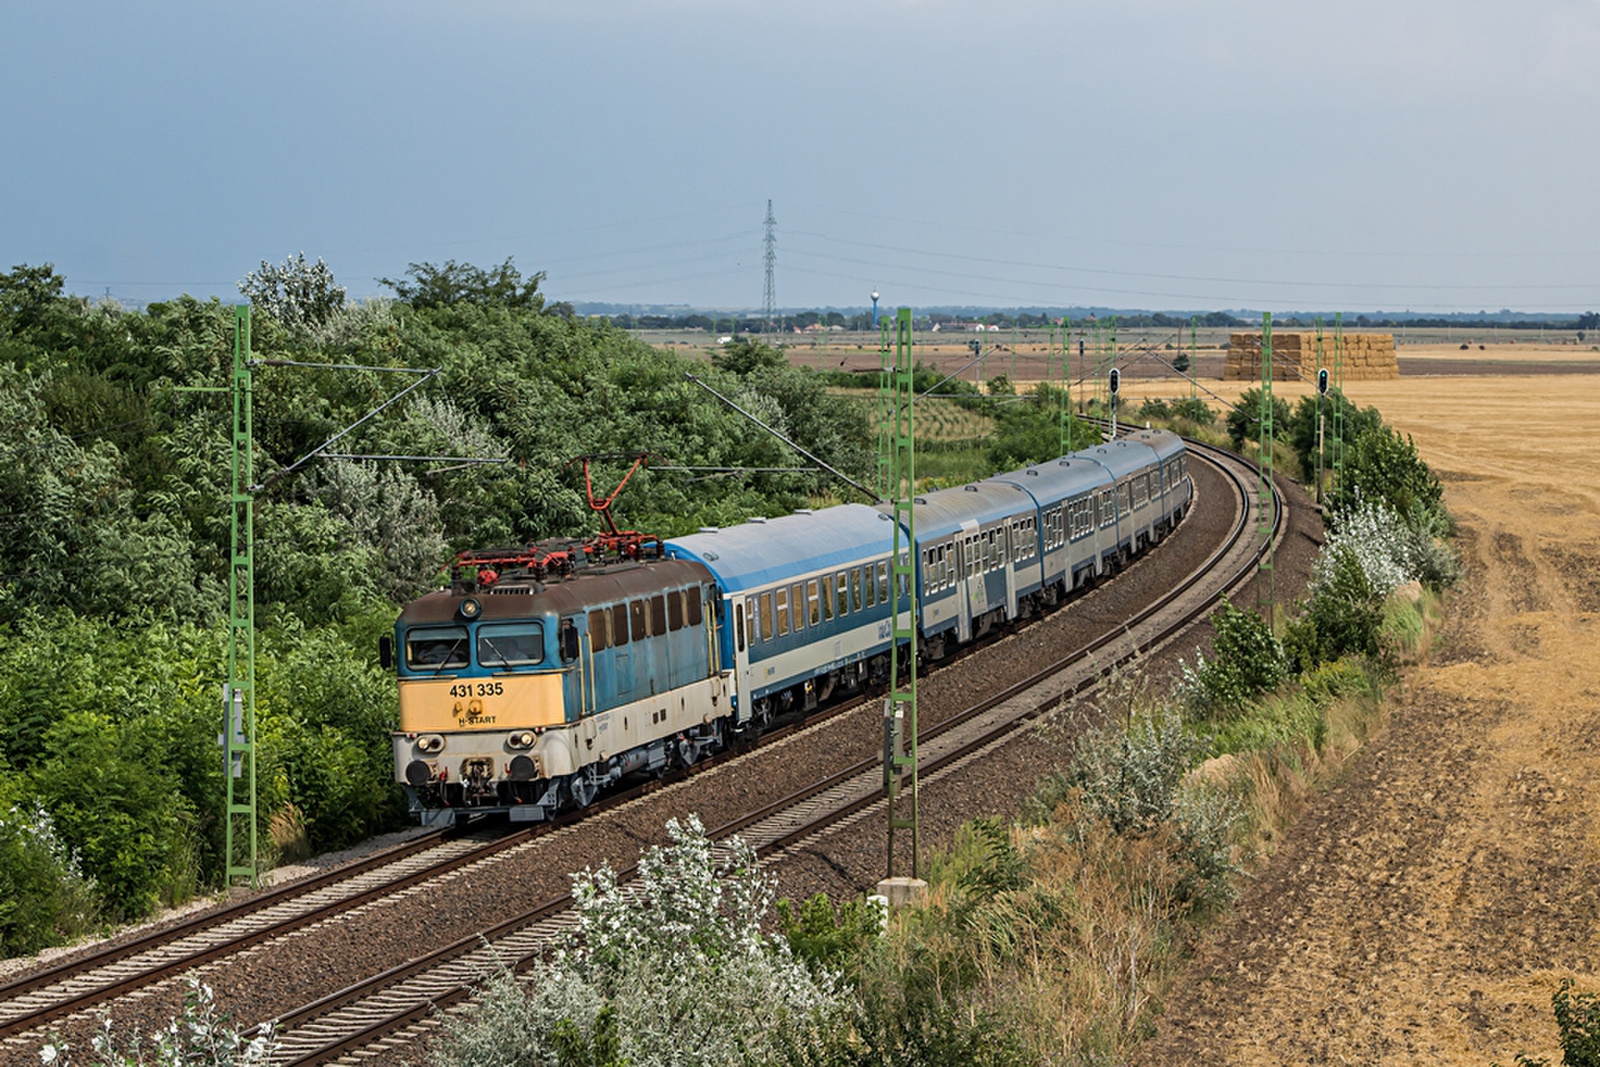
(1367, 356)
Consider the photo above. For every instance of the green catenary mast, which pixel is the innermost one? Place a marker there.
(239, 723)
(900, 710)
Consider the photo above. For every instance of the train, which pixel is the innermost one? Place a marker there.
(548, 672)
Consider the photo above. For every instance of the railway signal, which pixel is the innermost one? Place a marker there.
(1322, 382)
(1115, 381)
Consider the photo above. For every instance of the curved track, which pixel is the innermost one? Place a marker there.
(359, 1016)
(388, 1011)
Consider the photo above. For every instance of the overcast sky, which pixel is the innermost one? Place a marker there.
(1373, 154)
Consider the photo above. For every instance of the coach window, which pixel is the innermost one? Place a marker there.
(597, 630)
(675, 610)
(512, 644)
(855, 588)
(437, 647)
(768, 629)
(883, 582)
(843, 587)
(827, 597)
(813, 609)
(783, 612)
(872, 585)
(797, 606)
(738, 626)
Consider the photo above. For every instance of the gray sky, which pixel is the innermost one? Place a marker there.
(1437, 155)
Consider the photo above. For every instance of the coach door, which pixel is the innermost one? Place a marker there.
(743, 626)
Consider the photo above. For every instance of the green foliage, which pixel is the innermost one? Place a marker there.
(1302, 426)
(912, 1013)
(746, 355)
(1248, 660)
(1029, 431)
(433, 286)
(1578, 1019)
(1195, 410)
(1126, 774)
(44, 898)
(1383, 467)
(1244, 418)
(108, 797)
(680, 951)
(825, 936)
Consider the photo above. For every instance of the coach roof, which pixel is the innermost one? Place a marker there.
(764, 551)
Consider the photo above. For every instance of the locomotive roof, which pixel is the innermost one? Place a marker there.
(560, 596)
(760, 552)
(943, 512)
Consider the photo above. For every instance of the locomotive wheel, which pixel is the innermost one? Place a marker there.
(581, 791)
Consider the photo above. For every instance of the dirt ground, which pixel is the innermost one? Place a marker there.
(1427, 907)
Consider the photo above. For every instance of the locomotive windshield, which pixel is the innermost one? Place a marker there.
(437, 647)
(511, 644)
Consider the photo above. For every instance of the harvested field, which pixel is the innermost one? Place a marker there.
(1430, 903)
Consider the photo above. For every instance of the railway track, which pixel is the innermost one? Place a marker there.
(375, 1017)
(358, 1017)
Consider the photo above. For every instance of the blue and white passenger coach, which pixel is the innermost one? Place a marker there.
(804, 604)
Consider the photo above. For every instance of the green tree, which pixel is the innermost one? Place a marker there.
(433, 286)
(1245, 416)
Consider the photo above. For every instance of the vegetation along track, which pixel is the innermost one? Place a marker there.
(350, 1019)
(375, 1017)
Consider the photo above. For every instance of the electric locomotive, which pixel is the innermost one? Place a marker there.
(544, 674)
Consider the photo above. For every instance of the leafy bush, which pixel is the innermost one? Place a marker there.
(1384, 468)
(1194, 410)
(44, 898)
(1244, 417)
(1248, 661)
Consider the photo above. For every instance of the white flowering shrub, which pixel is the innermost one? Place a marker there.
(671, 969)
(300, 295)
(200, 1037)
(44, 897)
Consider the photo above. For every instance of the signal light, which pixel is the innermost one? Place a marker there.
(1322, 381)
(1116, 380)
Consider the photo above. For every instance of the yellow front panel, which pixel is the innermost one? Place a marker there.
(507, 702)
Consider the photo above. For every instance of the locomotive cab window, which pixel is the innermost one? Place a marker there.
(636, 616)
(619, 624)
(658, 615)
(434, 648)
(568, 640)
(675, 610)
(514, 644)
(692, 604)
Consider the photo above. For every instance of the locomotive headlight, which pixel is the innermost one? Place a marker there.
(430, 743)
(470, 608)
(521, 739)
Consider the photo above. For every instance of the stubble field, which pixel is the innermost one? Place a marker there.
(1430, 903)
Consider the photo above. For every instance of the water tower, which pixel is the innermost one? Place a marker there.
(874, 309)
